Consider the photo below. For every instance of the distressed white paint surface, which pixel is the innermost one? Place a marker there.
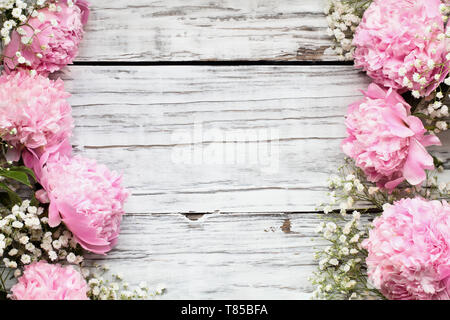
(162, 127)
(175, 30)
(220, 256)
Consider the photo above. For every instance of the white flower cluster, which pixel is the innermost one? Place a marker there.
(25, 237)
(341, 264)
(14, 14)
(436, 112)
(350, 188)
(343, 17)
(342, 272)
(349, 185)
(434, 189)
(420, 79)
(116, 289)
(434, 33)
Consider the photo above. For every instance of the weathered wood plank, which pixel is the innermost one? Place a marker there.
(173, 132)
(176, 30)
(231, 256)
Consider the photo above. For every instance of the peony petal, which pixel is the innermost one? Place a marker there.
(416, 125)
(391, 185)
(418, 160)
(395, 117)
(84, 6)
(54, 219)
(42, 196)
(430, 140)
(79, 224)
(97, 249)
(374, 91)
(13, 155)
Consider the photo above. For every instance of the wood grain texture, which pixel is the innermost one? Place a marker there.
(219, 256)
(178, 30)
(206, 139)
(256, 141)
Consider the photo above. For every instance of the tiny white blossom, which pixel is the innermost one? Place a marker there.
(56, 244)
(17, 225)
(354, 239)
(345, 251)
(96, 291)
(16, 12)
(442, 125)
(41, 17)
(334, 262)
(71, 258)
(25, 259)
(402, 71)
(360, 187)
(24, 240)
(52, 255)
(331, 226)
(348, 187)
(347, 228)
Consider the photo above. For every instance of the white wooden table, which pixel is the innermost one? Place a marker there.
(225, 161)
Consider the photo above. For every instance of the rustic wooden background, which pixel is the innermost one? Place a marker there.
(240, 70)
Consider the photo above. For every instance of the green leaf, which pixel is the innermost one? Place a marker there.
(20, 176)
(421, 116)
(28, 171)
(437, 162)
(15, 199)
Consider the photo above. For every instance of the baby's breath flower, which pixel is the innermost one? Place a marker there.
(26, 259)
(343, 17)
(116, 289)
(25, 239)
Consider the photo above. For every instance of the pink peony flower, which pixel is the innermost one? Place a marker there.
(50, 40)
(386, 141)
(401, 44)
(409, 250)
(35, 116)
(44, 281)
(86, 197)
